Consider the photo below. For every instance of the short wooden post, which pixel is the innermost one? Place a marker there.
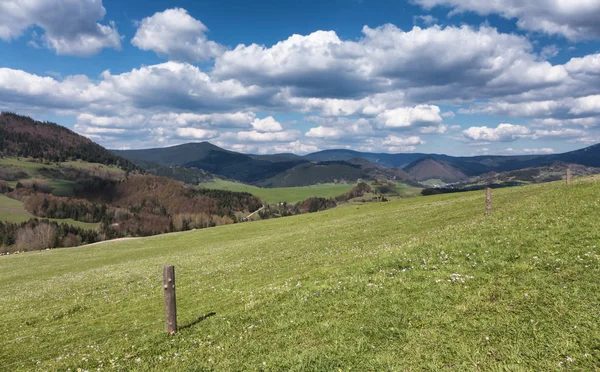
(170, 303)
(568, 175)
(488, 201)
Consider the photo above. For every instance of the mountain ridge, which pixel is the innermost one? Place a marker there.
(259, 168)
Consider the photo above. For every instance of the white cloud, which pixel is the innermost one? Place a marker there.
(221, 120)
(502, 133)
(255, 136)
(176, 34)
(321, 65)
(586, 105)
(427, 20)
(70, 26)
(340, 128)
(402, 141)
(326, 132)
(421, 115)
(545, 150)
(268, 124)
(196, 133)
(564, 133)
(573, 19)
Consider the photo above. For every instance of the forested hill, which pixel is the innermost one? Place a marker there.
(23, 136)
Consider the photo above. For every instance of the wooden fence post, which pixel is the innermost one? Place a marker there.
(170, 303)
(488, 201)
(568, 175)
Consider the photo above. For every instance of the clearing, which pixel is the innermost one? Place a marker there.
(12, 211)
(282, 194)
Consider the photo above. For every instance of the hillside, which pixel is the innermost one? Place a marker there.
(388, 286)
(215, 160)
(59, 189)
(23, 136)
(429, 168)
(282, 194)
(281, 169)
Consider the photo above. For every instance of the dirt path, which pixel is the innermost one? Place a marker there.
(109, 241)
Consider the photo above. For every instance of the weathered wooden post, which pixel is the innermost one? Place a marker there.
(170, 303)
(568, 175)
(488, 201)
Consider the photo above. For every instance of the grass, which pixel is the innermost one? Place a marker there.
(282, 194)
(415, 284)
(433, 182)
(60, 187)
(12, 211)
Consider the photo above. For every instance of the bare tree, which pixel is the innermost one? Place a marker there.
(37, 238)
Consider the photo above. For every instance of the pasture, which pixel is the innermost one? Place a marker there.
(12, 211)
(414, 284)
(282, 194)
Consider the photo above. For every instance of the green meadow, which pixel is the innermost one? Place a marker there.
(282, 194)
(426, 283)
(12, 211)
(33, 170)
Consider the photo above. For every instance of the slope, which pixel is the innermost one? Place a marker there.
(23, 136)
(418, 284)
(281, 194)
(429, 168)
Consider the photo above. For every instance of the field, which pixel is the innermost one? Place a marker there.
(415, 284)
(282, 194)
(59, 187)
(13, 211)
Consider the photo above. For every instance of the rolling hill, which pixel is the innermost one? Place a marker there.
(288, 169)
(417, 284)
(278, 170)
(430, 168)
(23, 136)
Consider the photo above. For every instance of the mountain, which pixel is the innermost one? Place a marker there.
(451, 167)
(385, 160)
(278, 170)
(430, 168)
(175, 155)
(215, 160)
(23, 136)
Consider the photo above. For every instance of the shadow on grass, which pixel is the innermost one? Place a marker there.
(203, 317)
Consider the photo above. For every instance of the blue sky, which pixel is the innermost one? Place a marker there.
(461, 77)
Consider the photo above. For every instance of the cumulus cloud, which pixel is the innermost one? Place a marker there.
(195, 133)
(340, 128)
(215, 120)
(421, 115)
(545, 150)
(255, 136)
(563, 133)
(321, 65)
(573, 19)
(268, 124)
(177, 35)
(502, 133)
(71, 27)
(403, 141)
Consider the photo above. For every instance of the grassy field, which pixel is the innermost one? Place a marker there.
(415, 284)
(60, 187)
(434, 182)
(12, 211)
(283, 194)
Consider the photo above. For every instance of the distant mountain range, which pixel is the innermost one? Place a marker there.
(280, 170)
(198, 162)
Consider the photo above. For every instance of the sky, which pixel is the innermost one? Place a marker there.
(459, 77)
